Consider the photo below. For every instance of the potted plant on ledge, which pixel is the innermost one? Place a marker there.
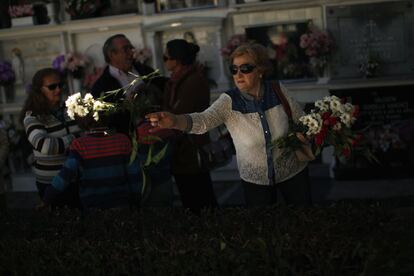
(81, 9)
(7, 79)
(370, 65)
(318, 46)
(21, 14)
(148, 7)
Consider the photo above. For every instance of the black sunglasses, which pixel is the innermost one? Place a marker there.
(166, 58)
(53, 86)
(244, 68)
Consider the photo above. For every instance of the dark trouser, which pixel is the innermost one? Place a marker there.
(69, 197)
(196, 191)
(161, 194)
(3, 202)
(295, 191)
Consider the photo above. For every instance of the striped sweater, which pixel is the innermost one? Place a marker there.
(98, 163)
(50, 137)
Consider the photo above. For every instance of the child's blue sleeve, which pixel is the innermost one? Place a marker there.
(62, 180)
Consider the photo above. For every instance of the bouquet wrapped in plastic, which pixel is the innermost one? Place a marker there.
(328, 124)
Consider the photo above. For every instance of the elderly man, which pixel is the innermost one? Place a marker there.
(119, 54)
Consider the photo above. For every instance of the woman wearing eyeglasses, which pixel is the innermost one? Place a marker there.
(188, 91)
(49, 130)
(256, 112)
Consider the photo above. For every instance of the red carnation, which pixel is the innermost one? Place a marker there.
(346, 152)
(326, 115)
(357, 139)
(320, 137)
(354, 142)
(324, 132)
(356, 111)
(332, 121)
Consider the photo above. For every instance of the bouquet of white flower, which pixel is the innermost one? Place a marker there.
(78, 106)
(329, 124)
(136, 103)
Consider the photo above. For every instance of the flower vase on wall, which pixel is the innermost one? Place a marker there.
(322, 75)
(22, 21)
(188, 3)
(77, 85)
(51, 12)
(2, 94)
(7, 93)
(148, 7)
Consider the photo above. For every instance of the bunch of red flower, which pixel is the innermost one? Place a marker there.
(329, 124)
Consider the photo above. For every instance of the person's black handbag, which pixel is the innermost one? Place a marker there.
(219, 151)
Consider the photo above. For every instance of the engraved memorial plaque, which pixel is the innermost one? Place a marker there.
(379, 33)
(387, 122)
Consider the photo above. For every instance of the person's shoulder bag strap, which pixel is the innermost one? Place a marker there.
(305, 154)
(276, 88)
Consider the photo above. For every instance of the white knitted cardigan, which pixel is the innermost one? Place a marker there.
(247, 133)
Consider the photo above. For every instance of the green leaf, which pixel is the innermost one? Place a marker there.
(109, 93)
(222, 245)
(371, 157)
(151, 138)
(146, 184)
(149, 156)
(157, 158)
(134, 148)
(317, 151)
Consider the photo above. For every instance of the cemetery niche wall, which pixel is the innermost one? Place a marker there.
(373, 40)
(282, 42)
(387, 121)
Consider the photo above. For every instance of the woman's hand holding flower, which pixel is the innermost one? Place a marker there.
(162, 120)
(305, 153)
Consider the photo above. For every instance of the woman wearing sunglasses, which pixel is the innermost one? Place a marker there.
(49, 130)
(256, 113)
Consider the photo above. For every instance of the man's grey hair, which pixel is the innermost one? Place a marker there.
(109, 47)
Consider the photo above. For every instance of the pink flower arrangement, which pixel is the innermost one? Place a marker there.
(72, 63)
(318, 46)
(234, 42)
(90, 78)
(20, 10)
(316, 43)
(7, 75)
(142, 54)
(82, 8)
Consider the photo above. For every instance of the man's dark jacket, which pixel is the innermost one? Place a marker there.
(106, 82)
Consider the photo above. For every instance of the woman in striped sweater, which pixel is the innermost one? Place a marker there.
(49, 130)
